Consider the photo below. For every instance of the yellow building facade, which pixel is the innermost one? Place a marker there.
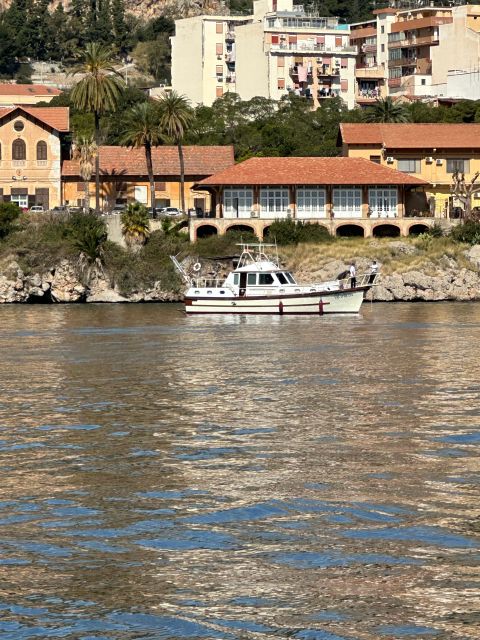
(30, 155)
(124, 177)
(432, 152)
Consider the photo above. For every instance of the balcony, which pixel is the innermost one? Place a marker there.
(368, 48)
(403, 62)
(367, 96)
(394, 82)
(414, 41)
(306, 47)
(375, 73)
(327, 93)
(230, 36)
(230, 79)
(328, 71)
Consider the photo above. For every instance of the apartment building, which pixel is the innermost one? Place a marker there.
(280, 48)
(412, 51)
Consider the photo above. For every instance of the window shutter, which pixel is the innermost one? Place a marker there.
(274, 39)
(219, 70)
(338, 41)
(219, 27)
(16, 191)
(344, 85)
(219, 48)
(280, 62)
(281, 83)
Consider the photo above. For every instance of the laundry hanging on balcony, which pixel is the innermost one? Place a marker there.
(302, 73)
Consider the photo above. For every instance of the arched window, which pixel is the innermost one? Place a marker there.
(19, 150)
(41, 150)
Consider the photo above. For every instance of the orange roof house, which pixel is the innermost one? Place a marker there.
(411, 135)
(432, 152)
(26, 94)
(311, 171)
(124, 175)
(30, 145)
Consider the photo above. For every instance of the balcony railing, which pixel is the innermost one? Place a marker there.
(370, 72)
(310, 46)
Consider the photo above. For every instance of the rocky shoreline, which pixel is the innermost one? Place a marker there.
(65, 283)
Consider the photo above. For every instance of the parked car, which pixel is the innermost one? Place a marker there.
(60, 209)
(170, 211)
(37, 208)
(118, 208)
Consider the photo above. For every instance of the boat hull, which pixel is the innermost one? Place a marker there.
(318, 303)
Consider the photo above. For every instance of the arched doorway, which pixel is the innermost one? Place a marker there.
(350, 231)
(240, 228)
(386, 231)
(417, 229)
(206, 231)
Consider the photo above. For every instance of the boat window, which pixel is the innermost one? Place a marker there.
(290, 278)
(252, 278)
(282, 278)
(265, 278)
(236, 278)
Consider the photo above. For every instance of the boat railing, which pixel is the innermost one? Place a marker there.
(363, 280)
(203, 283)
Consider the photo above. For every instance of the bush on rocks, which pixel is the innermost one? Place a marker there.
(468, 232)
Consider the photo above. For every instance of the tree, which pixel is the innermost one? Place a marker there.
(386, 110)
(176, 117)
(135, 225)
(9, 213)
(85, 150)
(142, 129)
(464, 192)
(98, 92)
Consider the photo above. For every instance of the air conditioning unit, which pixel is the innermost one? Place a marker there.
(254, 214)
(429, 160)
(390, 160)
(438, 162)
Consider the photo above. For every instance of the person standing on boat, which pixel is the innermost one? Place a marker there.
(353, 276)
(373, 272)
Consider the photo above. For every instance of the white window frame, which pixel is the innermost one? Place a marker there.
(347, 202)
(383, 202)
(311, 202)
(274, 201)
(244, 196)
(22, 200)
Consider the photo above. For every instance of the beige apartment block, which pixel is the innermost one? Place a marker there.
(203, 57)
(281, 48)
(417, 52)
(27, 94)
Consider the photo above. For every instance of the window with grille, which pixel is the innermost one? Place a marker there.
(274, 200)
(383, 202)
(19, 150)
(458, 164)
(347, 202)
(237, 202)
(311, 202)
(41, 150)
(409, 165)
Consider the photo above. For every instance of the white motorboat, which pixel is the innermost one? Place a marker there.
(258, 285)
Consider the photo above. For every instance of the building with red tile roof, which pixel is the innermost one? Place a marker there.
(30, 152)
(349, 196)
(26, 94)
(432, 152)
(124, 175)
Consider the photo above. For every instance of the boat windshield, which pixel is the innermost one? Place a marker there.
(282, 278)
(291, 279)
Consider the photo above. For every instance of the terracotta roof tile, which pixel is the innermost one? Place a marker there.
(199, 161)
(10, 89)
(413, 136)
(55, 117)
(289, 171)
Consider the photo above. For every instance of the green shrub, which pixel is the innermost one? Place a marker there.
(9, 215)
(467, 232)
(135, 224)
(289, 231)
(88, 233)
(436, 231)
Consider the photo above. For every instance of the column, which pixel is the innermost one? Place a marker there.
(365, 203)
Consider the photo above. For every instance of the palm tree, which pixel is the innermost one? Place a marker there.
(387, 110)
(176, 116)
(97, 92)
(142, 129)
(84, 150)
(135, 225)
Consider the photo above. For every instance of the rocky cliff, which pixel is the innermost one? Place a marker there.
(453, 279)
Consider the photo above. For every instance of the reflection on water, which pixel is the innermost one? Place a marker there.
(172, 477)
